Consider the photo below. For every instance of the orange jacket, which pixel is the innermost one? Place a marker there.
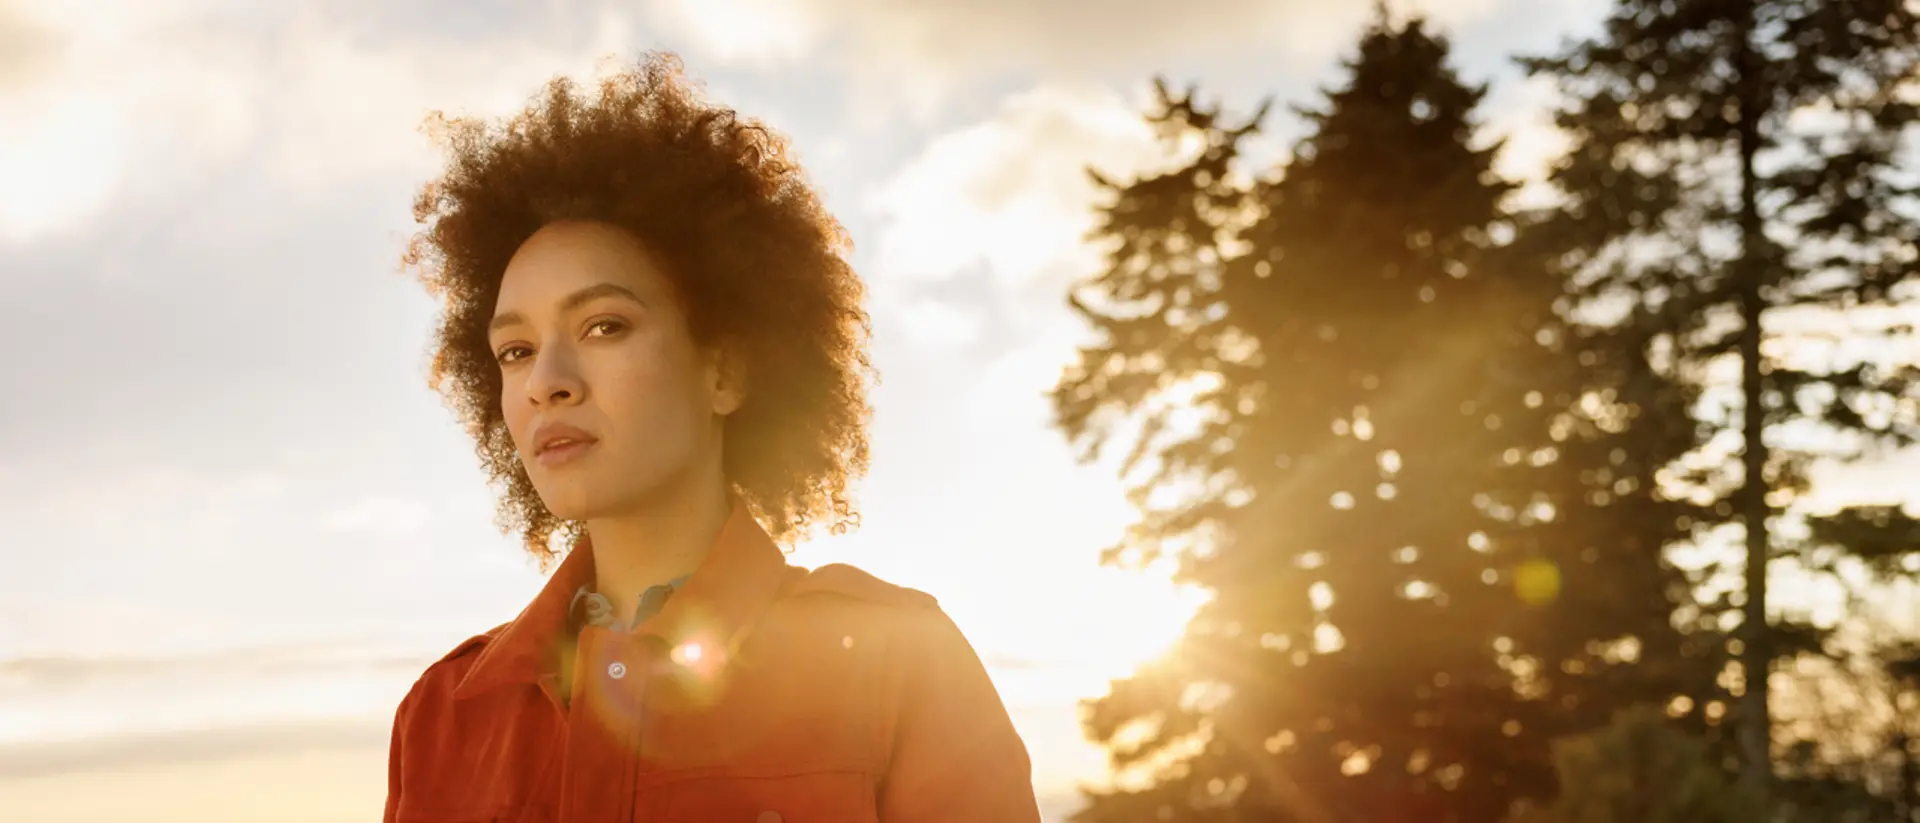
(761, 693)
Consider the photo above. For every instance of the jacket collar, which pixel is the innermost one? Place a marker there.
(714, 610)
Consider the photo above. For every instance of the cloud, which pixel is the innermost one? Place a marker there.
(174, 90)
(117, 752)
(1520, 116)
(126, 707)
(1011, 192)
(56, 673)
(941, 325)
(752, 32)
(59, 671)
(28, 47)
(381, 515)
(134, 505)
(937, 46)
(100, 93)
(996, 211)
(202, 558)
(980, 234)
(343, 108)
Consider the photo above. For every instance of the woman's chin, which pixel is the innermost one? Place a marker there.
(572, 501)
(579, 499)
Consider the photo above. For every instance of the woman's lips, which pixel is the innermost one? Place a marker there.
(564, 452)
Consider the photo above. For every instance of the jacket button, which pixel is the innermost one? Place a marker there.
(768, 817)
(617, 670)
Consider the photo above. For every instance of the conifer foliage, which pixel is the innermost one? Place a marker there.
(1356, 420)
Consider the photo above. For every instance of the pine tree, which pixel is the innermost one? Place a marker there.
(1642, 769)
(1364, 429)
(1901, 665)
(1733, 203)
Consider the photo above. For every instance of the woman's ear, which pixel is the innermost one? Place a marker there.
(727, 379)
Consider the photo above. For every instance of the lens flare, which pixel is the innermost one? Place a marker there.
(1537, 582)
(688, 653)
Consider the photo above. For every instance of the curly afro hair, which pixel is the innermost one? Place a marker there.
(759, 265)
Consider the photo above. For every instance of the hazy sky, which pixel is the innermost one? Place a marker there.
(235, 524)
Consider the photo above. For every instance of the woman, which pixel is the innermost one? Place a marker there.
(652, 333)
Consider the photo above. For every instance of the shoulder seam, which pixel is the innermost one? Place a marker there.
(468, 646)
(865, 587)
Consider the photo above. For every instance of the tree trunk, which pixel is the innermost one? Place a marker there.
(1756, 652)
(1909, 779)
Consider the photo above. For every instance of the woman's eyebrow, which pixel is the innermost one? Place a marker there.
(571, 302)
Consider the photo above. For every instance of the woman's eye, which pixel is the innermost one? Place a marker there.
(512, 353)
(609, 326)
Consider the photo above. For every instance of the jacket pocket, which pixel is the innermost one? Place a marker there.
(805, 797)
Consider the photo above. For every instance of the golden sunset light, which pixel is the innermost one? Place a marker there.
(1431, 410)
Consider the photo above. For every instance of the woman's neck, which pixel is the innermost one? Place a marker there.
(665, 541)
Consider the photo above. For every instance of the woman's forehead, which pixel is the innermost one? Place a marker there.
(564, 264)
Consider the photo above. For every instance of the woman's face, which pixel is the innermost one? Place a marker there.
(609, 400)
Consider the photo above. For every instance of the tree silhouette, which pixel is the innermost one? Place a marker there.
(1360, 424)
(1641, 769)
(1734, 202)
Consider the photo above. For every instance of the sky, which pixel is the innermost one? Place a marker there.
(234, 521)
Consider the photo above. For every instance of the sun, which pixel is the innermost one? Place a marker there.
(1067, 636)
(1136, 617)
(1054, 625)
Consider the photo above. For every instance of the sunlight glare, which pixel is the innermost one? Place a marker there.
(687, 654)
(1133, 618)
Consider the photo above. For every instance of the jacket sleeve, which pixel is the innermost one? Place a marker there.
(956, 757)
(395, 757)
